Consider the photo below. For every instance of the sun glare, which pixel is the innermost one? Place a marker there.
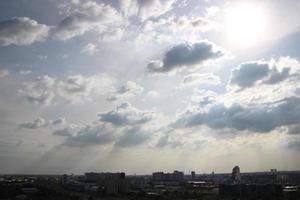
(245, 24)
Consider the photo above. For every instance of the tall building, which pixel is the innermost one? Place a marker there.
(236, 175)
(193, 175)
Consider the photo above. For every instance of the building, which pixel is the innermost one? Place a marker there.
(251, 191)
(109, 183)
(139, 182)
(193, 175)
(161, 178)
(236, 175)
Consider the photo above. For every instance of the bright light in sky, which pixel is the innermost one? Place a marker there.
(245, 24)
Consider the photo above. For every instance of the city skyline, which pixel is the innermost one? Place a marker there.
(149, 85)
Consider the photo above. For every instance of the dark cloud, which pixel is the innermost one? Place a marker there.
(132, 137)
(256, 118)
(42, 123)
(294, 145)
(278, 76)
(247, 74)
(250, 73)
(186, 55)
(124, 125)
(125, 114)
(21, 31)
(294, 129)
(67, 131)
(93, 134)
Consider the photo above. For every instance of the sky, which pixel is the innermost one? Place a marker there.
(149, 85)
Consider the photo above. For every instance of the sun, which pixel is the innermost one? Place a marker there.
(245, 24)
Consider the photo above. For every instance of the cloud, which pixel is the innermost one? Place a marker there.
(176, 24)
(145, 9)
(92, 134)
(39, 91)
(253, 73)
(125, 126)
(76, 88)
(3, 73)
(25, 72)
(294, 145)
(261, 118)
(153, 94)
(132, 137)
(79, 87)
(126, 91)
(112, 35)
(126, 114)
(67, 131)
(42, 123)
(89, 49)
(85, 17)
(21, 31)
(202, 97)
(186, 55)
(248, 73)
(198, 79)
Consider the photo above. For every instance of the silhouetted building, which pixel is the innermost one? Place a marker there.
(109, 183)
(193, 175)
(161, 178)
(236, 175)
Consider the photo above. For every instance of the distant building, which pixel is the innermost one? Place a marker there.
(109, 183)
(161, 178)
(193, 175)
(139, 182)
(236, 175)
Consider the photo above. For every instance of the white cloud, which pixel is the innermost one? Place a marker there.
(197, 79)
(3, 73)
(25, 72)
(39, 91)
(126, 91)
(85, 17)
(112, 35)
(78, 87)
(153, 94)
(177, 24)
(75, 88)
(146, 9)
(89, 49)
(21, 31)
(126, 114)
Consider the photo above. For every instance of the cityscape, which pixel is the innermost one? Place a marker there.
(160, 185)
(149, 99)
